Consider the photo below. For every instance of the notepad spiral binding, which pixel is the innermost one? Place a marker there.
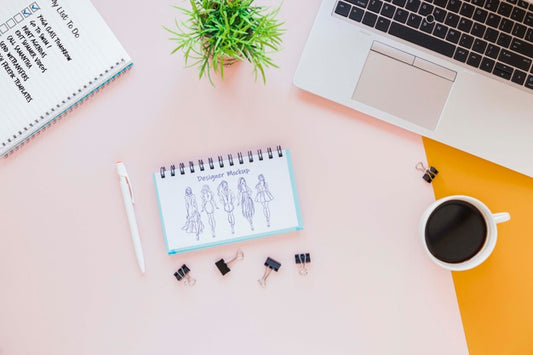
(191, 168)
(53, 110)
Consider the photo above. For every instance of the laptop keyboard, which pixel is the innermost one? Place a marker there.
(491, 35)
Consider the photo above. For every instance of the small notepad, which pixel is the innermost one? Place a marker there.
(227, 199)
(53, 55)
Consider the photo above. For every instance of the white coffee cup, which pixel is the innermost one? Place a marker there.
(491, 219)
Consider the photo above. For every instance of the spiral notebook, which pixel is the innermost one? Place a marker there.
(53, 55)
(228, 199)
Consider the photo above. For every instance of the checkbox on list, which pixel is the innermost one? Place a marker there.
(34, 7)
(26, 12)
(11, 23)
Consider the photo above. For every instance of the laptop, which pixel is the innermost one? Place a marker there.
(459, 72)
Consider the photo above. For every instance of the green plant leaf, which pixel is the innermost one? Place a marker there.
(215, 31)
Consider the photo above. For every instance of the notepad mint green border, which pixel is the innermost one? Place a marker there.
(161, 214)
(68, 108)
(240, 239)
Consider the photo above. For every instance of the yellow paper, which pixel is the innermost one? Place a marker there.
(496, 298)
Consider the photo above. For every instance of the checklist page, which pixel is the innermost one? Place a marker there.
(52, 54)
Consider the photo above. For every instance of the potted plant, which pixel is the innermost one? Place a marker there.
(217, 33)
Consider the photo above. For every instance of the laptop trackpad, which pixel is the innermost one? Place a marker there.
(403, 85)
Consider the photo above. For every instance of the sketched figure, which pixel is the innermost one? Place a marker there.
(209, 205)
(246, 201)
(227, 198)
(263, 196)
(194, 220)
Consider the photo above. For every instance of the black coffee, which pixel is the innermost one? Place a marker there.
(455, 231)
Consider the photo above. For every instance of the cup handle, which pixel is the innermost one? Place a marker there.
(501, 217)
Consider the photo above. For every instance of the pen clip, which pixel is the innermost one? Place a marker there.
(122, 173)
(130, 188)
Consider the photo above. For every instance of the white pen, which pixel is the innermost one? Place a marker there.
(127, 195)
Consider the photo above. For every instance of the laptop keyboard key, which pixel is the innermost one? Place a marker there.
(505, 9)
(360, 3)
(518, 14)
(400, 3)
(516, 60)
(528, 20)
(466, 41)
(342, 9)
(519, 77)
(454, 5)
(473, 60)
(414, 20)
(529, 82)
(452, 19)
(401, 15)
(421, 39)
(478, 30)
(453, 35)
(427, 27)
(439, 14)
(519, 30)
(492, 51)
(467, 10)
(461, 54)
(412, 5)
(375, 5)
(504, 40)
(356, 14)
(529, 35)
(480, 15)
(493, 20)
(503, 71)
(487, 65)
(491, 35)
(506, 25)
(522, 47)
(440, 3)
(492, 5)
(479, 3)
(388, 10)
(370, 19)
(465, 24)
(425, 9)
(523, 3)
(383, 24)
(479, 46)
(440, 30)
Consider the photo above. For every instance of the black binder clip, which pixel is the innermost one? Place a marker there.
(429, 173)
(270, 264)
(183, 274)
(223, 265)
(302, 260)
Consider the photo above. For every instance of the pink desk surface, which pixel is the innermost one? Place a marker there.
(69, 282)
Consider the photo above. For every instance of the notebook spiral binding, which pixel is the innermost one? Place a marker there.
(52, 111)
(191, 167)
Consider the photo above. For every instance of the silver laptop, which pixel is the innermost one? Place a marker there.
(459, 72)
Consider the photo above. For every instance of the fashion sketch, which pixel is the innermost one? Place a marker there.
(227, 198)
(263, 196)
(208, 206)
(193, 223)
(246, 201)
